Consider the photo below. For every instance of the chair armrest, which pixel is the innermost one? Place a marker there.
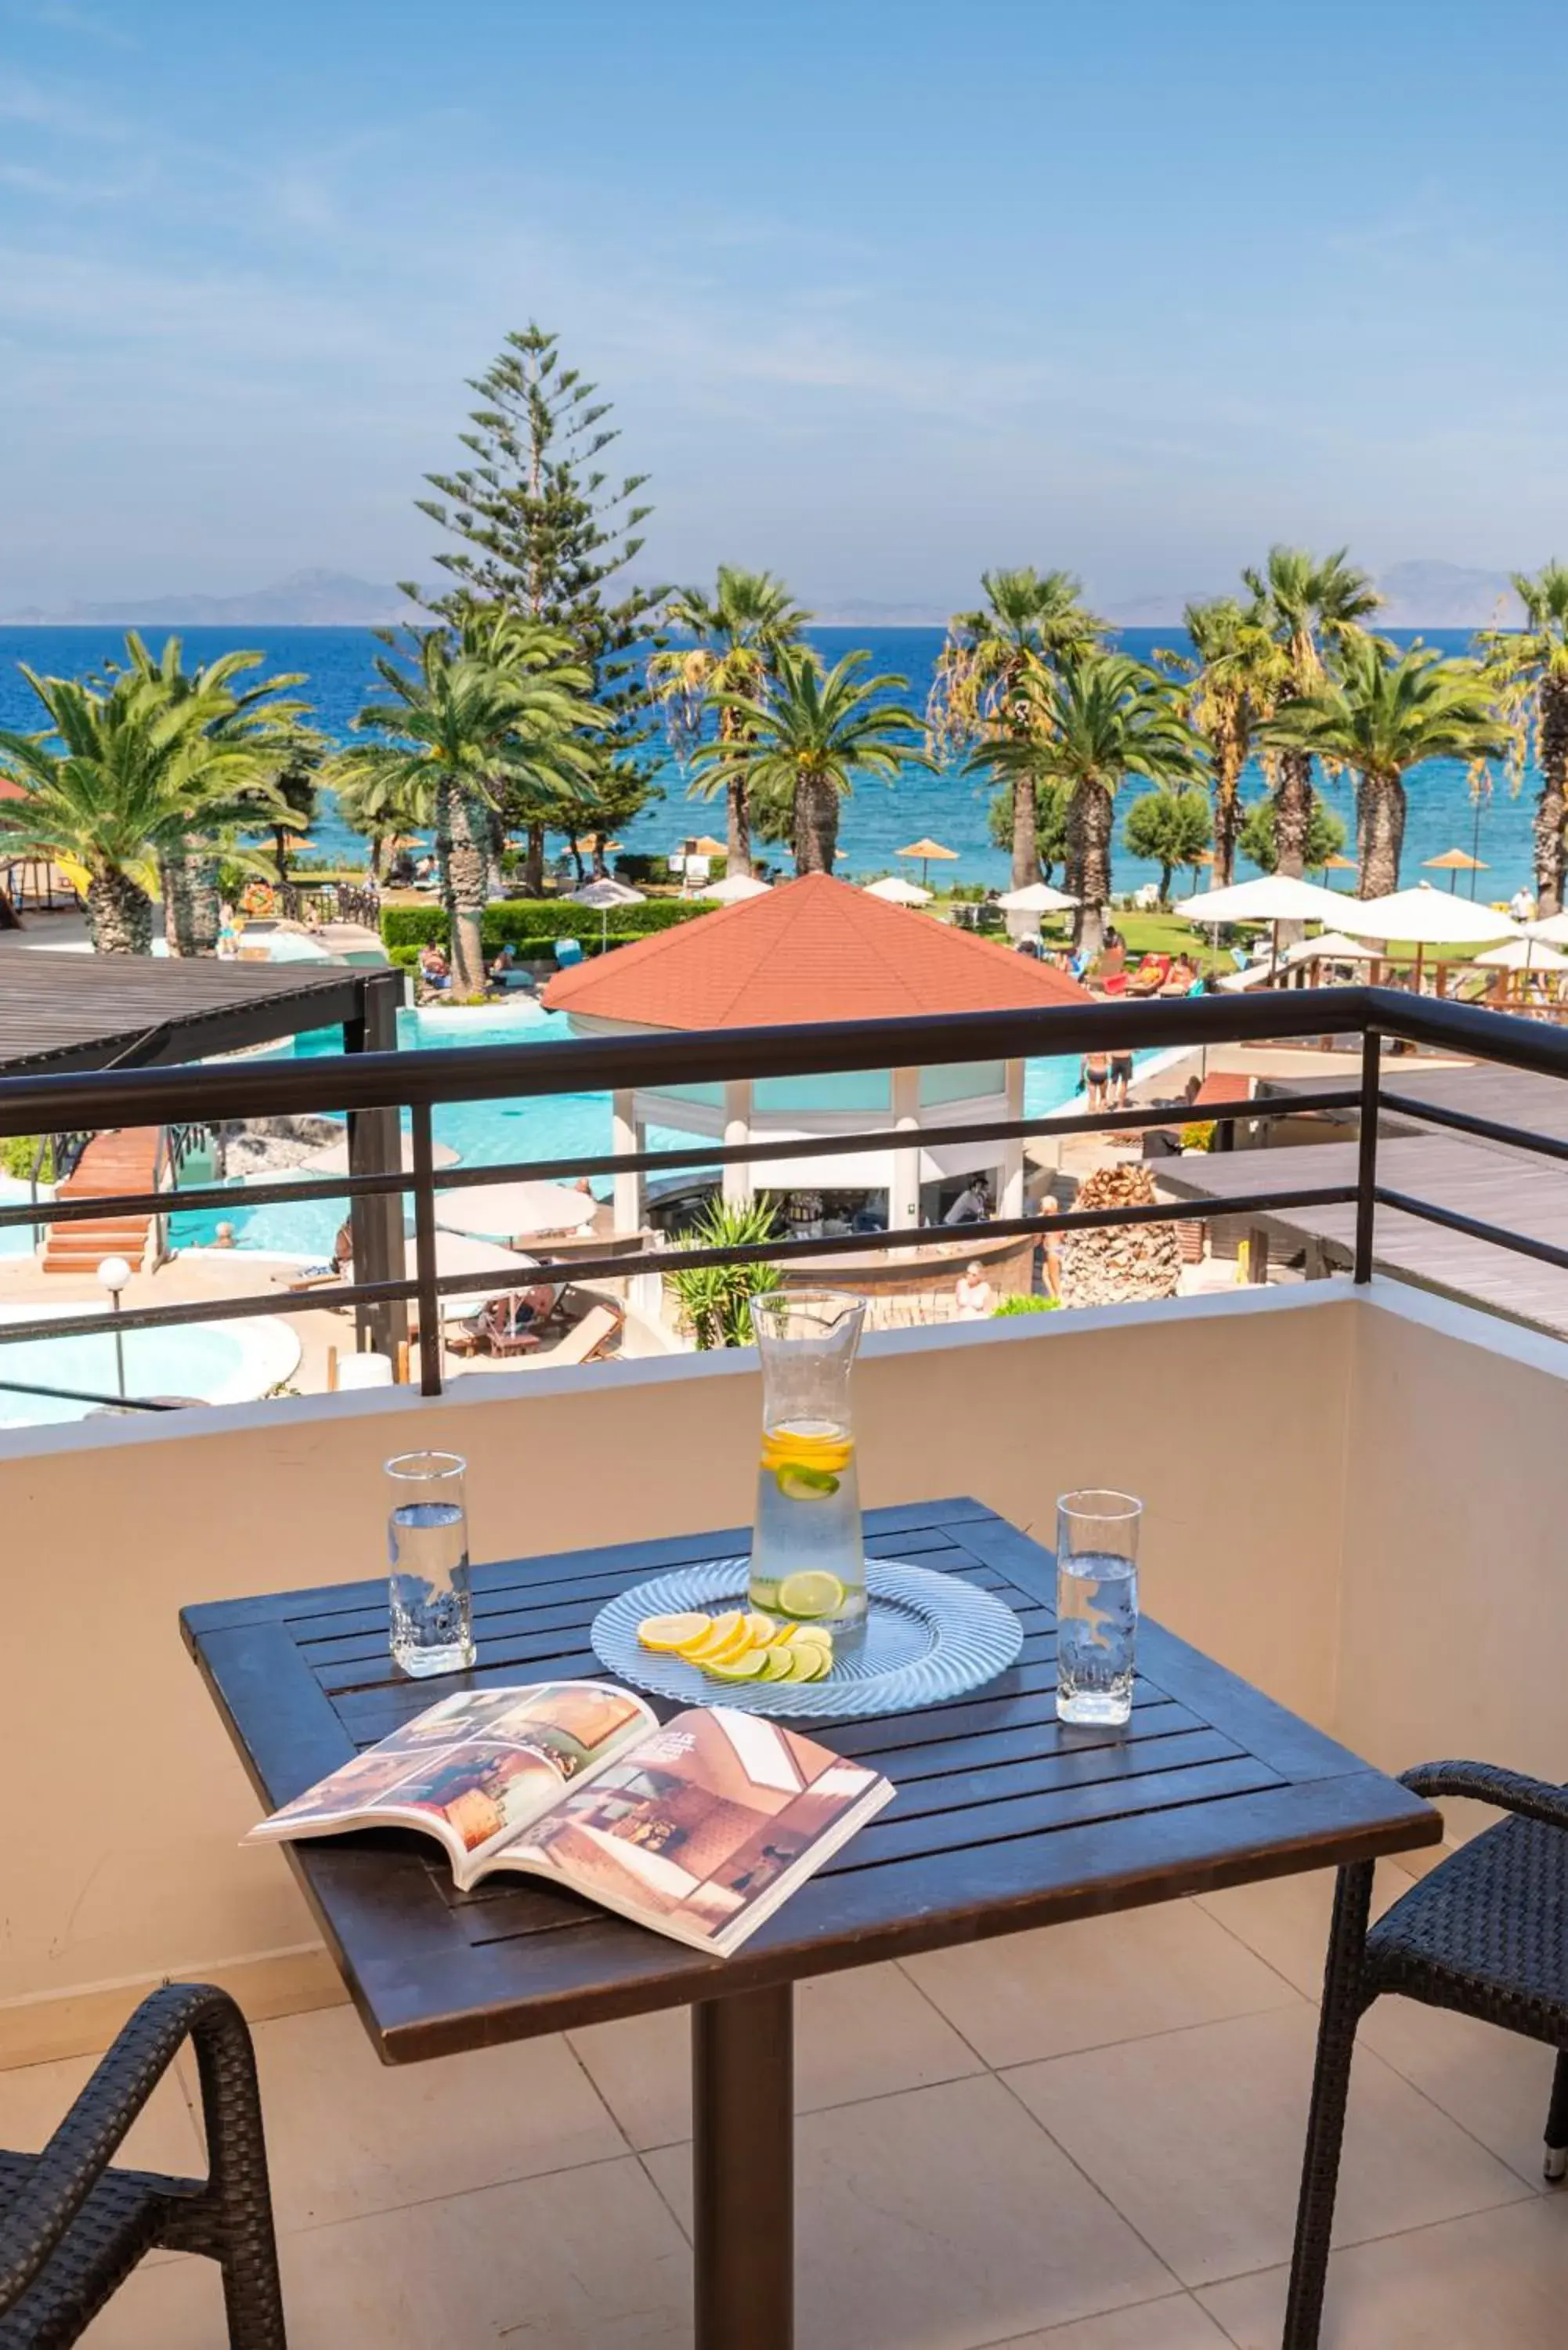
(86, 2142)
(1486, 1783)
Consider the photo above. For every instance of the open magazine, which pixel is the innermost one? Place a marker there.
(699, 1828)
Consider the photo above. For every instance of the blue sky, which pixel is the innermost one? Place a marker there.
(883, 291)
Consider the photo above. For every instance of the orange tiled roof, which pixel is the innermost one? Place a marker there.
(812, 950)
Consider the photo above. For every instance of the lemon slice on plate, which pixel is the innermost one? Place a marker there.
(667, 1635)
(811, 1594)
(761, 1629)
(725, 1631)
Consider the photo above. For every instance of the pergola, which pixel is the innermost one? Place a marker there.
(810, 950)
(63, 1012)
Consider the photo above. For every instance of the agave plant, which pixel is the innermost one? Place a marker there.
(715, 1299)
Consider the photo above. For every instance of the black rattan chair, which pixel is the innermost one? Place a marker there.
(71, 2230)
(1485, 1933)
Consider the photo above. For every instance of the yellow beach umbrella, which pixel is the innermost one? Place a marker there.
(1453, 862)
(927, 851)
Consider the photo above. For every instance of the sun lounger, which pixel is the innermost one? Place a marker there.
(584, 1342)
(1150, 976)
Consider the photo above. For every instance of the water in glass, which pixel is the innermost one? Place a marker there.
(427, 1547)
(1096, 1605)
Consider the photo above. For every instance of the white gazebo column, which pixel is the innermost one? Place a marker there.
(627, 1134)
(1011, 1203)
(737, 1183)
(904, 1198)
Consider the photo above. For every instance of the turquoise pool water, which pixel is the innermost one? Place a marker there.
(213, 1364)
(489, 1134)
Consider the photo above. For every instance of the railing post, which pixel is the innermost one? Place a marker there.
(1366, 1161)
(375, 1148)
(425, 1251)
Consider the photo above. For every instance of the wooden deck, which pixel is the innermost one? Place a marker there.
(1525, 1194)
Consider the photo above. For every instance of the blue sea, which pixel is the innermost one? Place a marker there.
(876, 822)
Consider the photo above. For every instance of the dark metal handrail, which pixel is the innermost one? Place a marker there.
(369, 1084)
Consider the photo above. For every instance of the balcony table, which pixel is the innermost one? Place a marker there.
(1003, 1820)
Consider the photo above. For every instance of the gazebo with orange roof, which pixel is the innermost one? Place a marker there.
(818, 950)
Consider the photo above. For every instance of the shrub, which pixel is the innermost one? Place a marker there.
(403, 958)
(17, 1152)
(715, 1299)
(533, 925)
(1199, 1136)
(1024, 1304)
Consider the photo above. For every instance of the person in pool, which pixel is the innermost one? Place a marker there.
(973, 1295)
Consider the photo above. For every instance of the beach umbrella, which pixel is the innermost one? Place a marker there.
(604, 893)
(1528, 954)
(928, 850)
(1336, 864)
(1037, 898)
(1453, 862)
(333, 1159)
(708, 846)
(1426, 918)
(1272, 898)
(508, 1211)
(897, 891)
(1331, 946)
(733, 890)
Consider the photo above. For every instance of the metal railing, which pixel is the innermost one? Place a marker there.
(365, 1085)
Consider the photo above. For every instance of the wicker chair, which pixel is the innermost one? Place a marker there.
(1485, 1933)
(72, 2229)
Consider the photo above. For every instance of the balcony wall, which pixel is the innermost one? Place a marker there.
(1319, 1465)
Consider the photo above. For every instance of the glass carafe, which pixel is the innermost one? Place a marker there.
(808, 1560)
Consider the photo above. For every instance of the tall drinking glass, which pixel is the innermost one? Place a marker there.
(427, 1551)
(808, 1560)
(1096, 1605)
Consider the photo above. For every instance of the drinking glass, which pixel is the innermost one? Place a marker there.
(1096, 1605)
(808, 1557)
(427, 1551)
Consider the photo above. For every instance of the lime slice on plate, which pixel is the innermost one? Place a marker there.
(777, 1664)
(812, 1593)
(747, 1666)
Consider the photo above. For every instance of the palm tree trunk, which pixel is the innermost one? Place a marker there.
(1227, 825)
(121, 914)
(533, 862)
(1292, 813)
(575, 846)
(1026, 833)
(1551, 807)
(601, 871)
(191, 920)
(1381, 836)
(446, 794)
(737, 829)
(281, 841)
(468, 866)
(1089, 819)
(815, 825)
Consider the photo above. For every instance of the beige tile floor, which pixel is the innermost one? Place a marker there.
(1085, 2139)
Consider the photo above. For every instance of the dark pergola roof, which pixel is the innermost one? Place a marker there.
(1514, 1097)
(61, 1011)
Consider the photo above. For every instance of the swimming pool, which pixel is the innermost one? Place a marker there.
(209, 1362)
(490, 1133)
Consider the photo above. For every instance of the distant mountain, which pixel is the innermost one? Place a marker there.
(307, 599)
(1446, 595)
(870, 612)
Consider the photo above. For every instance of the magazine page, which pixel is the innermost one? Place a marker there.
(473, 1770)
(701, 1829)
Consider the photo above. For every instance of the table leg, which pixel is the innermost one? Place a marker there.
(743, 2168)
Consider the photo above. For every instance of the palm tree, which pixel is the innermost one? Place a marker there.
(1236, 676)
(1103, 717)
(1380, 718)
(1030, 623)
(799, 751)
(256, 722)
(740, 632)
(1530, 665)
(123, 779)
(1311, 606)
(488, 711)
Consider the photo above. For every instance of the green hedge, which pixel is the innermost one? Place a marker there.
(533, 925)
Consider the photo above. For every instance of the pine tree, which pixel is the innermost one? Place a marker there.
(541, 531)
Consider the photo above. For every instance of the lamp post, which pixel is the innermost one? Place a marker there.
(114, 1272)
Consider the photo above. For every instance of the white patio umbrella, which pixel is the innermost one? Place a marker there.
(1552, 927)
(334, 1159)
(1273, 899)
(734, 889)
(455, 1255)
(511, 1210)
(1426, 918)
(1528, 954)
(897, 892)
(1331, 946)
(602, 895)
(1037, 898)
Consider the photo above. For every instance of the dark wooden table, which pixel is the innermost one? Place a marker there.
(1003, 1819)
